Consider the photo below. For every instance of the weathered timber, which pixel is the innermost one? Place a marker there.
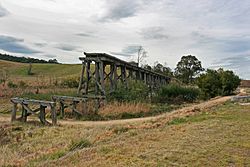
(73, 102)
(101, 78)
(26, 110)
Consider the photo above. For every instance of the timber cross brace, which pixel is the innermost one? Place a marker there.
(104, 80)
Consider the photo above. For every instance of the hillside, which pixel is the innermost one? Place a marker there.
(15, 69)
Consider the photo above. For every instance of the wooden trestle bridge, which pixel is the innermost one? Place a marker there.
(108, 70)
(94, 84)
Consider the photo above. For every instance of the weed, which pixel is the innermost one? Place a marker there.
(119, 130)
(177, 121)
(83, 143)
(57, 155)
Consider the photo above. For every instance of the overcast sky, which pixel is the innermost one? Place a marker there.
(215, 31)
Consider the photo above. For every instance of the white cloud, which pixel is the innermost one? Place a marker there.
(168, 29)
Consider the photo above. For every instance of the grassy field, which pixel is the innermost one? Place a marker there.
(20, 69)
(218, 136)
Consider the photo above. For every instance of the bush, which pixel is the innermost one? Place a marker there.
(22, 84)
(137, 91)
(12, 85)
(217, 83)
(177, 93)
(71, 82)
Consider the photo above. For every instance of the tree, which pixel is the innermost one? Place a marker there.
(188, 68)
(147, 67)
(229, 81)
(53, 61)
(220, 82)
(210, 83)
(163, 69)
(141, 55)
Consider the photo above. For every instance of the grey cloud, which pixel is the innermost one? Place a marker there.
(85, 34)
(49, 55)
(121, 54)
(127, 51)
(3, 11)
(13, 45)
(238, 63)
(153, 33)
(8, 39)
(225, 44)
(66, 47)
(40, 44)
(131, 49)
(118, 9)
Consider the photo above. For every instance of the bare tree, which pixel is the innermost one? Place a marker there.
(141, 55)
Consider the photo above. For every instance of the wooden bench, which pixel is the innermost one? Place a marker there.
(26, 110)
(71, 102)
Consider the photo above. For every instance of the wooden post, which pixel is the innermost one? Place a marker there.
(88, 78)
(130, 74)
(84, 106)
(101, 72)
(42, 114)
(13, 114)
(124, 76)
(24, 113)
(97, 79)
(111, 77)
(74, 108)
(115, 76)
(53, 114)
(62, 109)
(145, 78)
(81, 78)
(137, 75)
(140, 75)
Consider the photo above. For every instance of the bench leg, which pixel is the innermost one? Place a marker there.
(13, 114)
(53, 114)
(42, 114)
(24, 114)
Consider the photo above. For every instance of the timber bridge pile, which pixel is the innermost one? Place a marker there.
(105, 75)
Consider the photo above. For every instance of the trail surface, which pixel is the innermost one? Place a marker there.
(201, 106)
(175, 113)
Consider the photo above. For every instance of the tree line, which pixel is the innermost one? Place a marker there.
(189, 71)
(26, 59)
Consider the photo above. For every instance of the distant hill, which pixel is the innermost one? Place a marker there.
(245, 84)
(19, 70)
(26, 60)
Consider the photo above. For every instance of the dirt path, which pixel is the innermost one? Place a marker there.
(197, 107)
(201, 106)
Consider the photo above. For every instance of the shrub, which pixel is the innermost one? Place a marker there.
(12, 85)
(137, 91)
(71, 82)
(217, 82)
(177, 93)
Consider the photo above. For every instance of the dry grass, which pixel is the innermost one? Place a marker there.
(117, 108)
(210, 137)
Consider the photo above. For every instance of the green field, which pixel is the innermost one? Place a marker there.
(57, 70)
(218, 136)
